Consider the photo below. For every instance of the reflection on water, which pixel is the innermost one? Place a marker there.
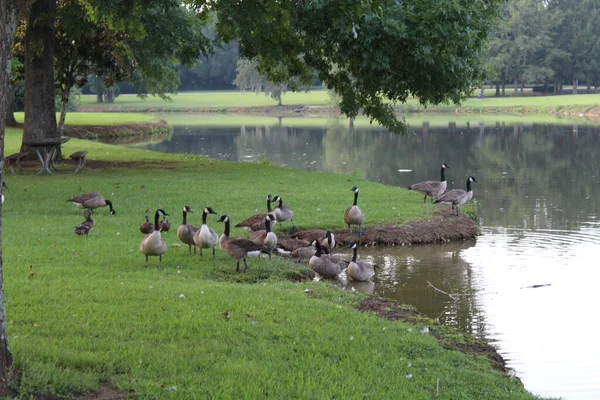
(527, 284)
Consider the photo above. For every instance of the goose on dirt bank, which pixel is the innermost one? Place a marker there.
(326, 265)
(92, 201)
(257, 221)
(432, 188)
(457, 197)
(327, 238)
(238, 248)
(205, 237)
(354, 215)
(153, 244)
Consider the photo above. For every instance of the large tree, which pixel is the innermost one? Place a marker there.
(40, 115)
(10, 12)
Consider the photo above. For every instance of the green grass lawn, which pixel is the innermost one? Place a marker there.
(82, 311)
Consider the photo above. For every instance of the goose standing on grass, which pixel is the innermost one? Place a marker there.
(3, 187)
(257, 222)
(326, 265)
(153, 244)
(354, 215)
(432, 189)
(186, 231)
(284, 213)
(361, 271)
(147, 227)
(238, 248)
(165, 224)
(205, 237)
(92, 201)
(457, 197)
(86, 226)
(265, 237)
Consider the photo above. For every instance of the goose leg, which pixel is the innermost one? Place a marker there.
(213, 253)
(160, 257)
(200, 251)
(190, 247)
(146, 261)
(425, 199)
(246, 265)
(238, 265)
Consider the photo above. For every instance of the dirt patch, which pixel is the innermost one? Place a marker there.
(104, 392)
(442, 228)
(120, 134)
(393, 311)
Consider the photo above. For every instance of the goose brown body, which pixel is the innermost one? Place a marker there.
(361, 271)
(326, 265)
(284, 212)
(257, 221)
(165, 225)
(86, 226)
(238, 248)
(185, 231)
(353, 214)
(153, 244)
(265, 237)
(457, 197)
(147, 227)
(432, 189)
(92, 201)
(205, 237)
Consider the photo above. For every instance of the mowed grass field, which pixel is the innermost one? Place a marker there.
(87, 311)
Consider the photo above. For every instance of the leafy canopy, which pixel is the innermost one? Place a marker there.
(367, 51)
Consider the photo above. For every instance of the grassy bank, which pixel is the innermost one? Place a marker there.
(82, 311)
(234, 101)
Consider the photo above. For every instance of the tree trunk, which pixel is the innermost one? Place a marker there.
(10, 12)
(575, 84)
(588, 90)
(99, 98)
(516, 83)
(9, 116)
(40, 116)
(503, 88)
(497, 89)
(521, 87)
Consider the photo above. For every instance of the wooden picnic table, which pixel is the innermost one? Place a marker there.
(46, 150)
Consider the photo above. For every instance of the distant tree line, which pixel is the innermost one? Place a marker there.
(547, 44)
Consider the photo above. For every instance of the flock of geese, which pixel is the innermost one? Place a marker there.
(312, 245)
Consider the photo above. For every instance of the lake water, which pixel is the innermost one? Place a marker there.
(528, 284)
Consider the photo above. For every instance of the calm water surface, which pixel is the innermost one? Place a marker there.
(528, 284)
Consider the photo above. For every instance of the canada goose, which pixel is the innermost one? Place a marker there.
(164, 225)
(457, 197)
(3, 187)
(86, 226)
(431, 188)
(257, 222)
(238, 248)
(354, 215)
(265, 237)
(283, 212)
(147, 227)
(92, 200)
(153, 244)
(326, 265)
(205, 237)
(327, 238)
(361, 271)
(186, 231)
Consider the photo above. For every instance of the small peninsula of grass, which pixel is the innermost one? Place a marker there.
(85, 312)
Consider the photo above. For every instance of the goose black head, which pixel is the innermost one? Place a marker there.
(209, 210)
(351, 245)
(444, 165)
(224, 218)
(472, 179)
(187, 209)
(354, 189)
(160, 211)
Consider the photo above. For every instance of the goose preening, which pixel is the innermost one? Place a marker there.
(238, 248)
(147, 227)
(432, 188)
(361, 271)
(265, 237)
(165, 224)
(185, 231)
(326, 265)
(153, 244)
(86, 226)
(327, 238)
(354, 215)
(92, 201)
(257, 222)
(205, 237)
(284, 213)
(457, 197)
